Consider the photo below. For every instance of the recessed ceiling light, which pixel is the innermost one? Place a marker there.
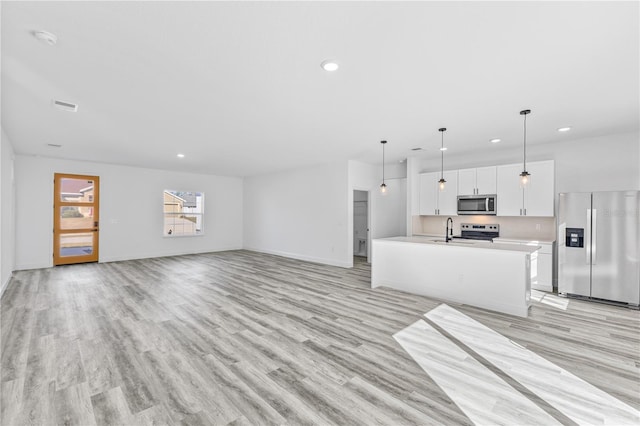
(564, 129)
(444, 148)
(329, 65)
(496, 140)
(180, 155)
(46, 37)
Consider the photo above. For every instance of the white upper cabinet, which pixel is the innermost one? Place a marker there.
(467, 182)
(448, 198)
(504, 181)
(486, 180)
(509, 194)
(537, 199)
(540, 193)
(436, 202)
(429, 193)
(477, 181)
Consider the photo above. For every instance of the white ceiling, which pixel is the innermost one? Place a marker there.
(237, 87)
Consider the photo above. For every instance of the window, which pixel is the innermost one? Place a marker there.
(183, 213)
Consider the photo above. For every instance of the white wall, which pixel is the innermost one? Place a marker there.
(302, 214)
(604, 163)
(131, 220)
(388, 211)
(7, 205)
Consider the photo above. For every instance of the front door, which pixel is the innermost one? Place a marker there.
(75, 218)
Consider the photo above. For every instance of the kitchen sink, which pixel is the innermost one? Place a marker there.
(452, 242)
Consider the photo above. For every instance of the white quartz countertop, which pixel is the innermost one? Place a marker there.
(471, 244)
(523, 240)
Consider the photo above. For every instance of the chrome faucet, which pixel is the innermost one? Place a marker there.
(448, 232)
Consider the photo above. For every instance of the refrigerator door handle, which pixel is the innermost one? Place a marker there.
(587, 238)
(594, 235)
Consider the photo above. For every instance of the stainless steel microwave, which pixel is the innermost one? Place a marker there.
(477, 204)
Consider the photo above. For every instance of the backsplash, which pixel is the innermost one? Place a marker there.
(543, 228)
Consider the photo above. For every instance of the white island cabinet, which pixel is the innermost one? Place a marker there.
(543, 280)
(487, 275)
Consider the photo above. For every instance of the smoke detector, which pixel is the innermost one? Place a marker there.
(46, 37)
(65, 106)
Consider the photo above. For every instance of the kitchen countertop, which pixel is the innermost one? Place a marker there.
(472, 244)
(523, 240)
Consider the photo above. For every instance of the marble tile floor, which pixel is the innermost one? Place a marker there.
(247, 338)
(484, 394)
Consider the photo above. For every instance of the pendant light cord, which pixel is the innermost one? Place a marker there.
(383, 162)
(524, 151)
(442, 155)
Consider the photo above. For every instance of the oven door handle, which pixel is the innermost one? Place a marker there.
(486, 204)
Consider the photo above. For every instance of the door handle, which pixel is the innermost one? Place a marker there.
(594, 236)
(587, 238)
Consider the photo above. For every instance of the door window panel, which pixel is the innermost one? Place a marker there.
(76, 190)
(76, 217)
(77, 244)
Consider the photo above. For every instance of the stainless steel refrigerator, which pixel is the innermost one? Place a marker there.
(599, 245)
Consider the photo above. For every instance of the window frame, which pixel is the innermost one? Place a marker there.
(165, 214)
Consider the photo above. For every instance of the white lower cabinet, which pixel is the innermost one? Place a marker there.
(542, 279)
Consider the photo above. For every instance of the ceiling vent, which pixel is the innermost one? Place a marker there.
(65, 106)
(416, 149)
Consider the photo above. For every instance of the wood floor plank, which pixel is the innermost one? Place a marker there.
(73, 406)
(110, 407)
(11, 401)
(243, 338)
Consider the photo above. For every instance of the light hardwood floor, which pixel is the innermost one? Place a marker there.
(247, 338)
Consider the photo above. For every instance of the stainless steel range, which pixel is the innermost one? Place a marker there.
(474, 231)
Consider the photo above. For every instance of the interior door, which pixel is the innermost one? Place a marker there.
(75, 218)
(574, 224)
(614, 255)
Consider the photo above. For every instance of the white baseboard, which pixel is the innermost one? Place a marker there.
(106, 259)
(27, 266)
(305, 258)
(5, 284)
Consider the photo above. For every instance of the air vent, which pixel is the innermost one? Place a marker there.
(65, 106)
(416, 149)
(54, 145)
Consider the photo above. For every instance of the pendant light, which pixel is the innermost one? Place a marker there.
(441, 182)
(383, 187)
(525, 177)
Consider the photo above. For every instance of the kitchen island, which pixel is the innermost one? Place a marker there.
(487, 275)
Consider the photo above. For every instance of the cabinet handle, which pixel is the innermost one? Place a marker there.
(525, 212)
(520, 212)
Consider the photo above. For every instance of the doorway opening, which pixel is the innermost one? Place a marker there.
(75, 218)
(361, 241)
